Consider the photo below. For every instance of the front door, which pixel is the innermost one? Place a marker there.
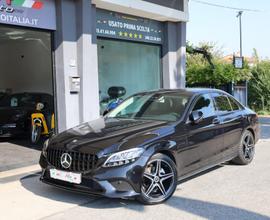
(204, 138)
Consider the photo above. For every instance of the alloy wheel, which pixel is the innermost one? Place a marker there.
(158, 180)
(248, 147)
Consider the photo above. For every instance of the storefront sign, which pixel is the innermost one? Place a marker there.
(121, 26)
(174, 4)
(30, 13)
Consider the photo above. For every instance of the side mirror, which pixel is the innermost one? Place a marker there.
(195, 117)
(105, 112)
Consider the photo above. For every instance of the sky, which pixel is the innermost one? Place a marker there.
(220, 25)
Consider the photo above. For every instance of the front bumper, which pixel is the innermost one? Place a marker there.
(116, 182)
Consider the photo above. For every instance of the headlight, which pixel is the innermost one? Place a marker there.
(45, 146)
(123, 157)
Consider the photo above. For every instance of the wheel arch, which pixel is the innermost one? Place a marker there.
(169, 154)
(252, 132)
(164, 147)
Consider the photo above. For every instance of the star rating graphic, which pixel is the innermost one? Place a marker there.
(130, 35)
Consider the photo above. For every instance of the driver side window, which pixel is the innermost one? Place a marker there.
(205, 105)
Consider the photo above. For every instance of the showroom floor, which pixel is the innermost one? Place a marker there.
(17, 153)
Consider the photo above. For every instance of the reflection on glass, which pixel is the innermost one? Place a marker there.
(160, 107)
(132, 66)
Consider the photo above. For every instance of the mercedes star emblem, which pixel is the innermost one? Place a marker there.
(66, 160)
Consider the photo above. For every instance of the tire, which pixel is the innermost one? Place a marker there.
(246, 149)
(158, 185)
(35, 134)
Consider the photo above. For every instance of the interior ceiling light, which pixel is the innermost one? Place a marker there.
(15, 38)
(39, 41)
(12, 33)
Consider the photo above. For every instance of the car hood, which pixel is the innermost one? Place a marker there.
(105, 136)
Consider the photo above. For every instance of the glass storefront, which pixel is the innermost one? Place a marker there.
(131, 66)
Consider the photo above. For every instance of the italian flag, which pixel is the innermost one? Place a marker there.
(28, 3)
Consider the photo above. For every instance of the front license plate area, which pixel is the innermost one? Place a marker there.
(66, 176)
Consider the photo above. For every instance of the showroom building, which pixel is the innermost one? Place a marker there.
(77, 49)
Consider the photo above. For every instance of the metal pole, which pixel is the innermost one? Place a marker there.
(240, 28)
(239, 15)
(241, 50)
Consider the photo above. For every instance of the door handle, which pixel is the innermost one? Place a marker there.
(216, 121)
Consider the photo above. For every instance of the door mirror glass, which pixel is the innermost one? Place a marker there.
(195, 117)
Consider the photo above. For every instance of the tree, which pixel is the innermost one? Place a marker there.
(206, 67)
(259, 86)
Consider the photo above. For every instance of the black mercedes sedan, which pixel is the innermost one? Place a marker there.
(150, 142)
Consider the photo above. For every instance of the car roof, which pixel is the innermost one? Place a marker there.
(185, 91)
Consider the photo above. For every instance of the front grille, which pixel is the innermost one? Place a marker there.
(81, 162)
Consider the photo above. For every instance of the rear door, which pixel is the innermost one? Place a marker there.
(204, 138)
(231, 119)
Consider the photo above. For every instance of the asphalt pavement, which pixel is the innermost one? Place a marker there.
(17, 153)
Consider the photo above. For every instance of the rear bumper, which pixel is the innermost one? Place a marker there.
(120, 182)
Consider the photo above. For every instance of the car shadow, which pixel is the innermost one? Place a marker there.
(209, 210)
(204, 209)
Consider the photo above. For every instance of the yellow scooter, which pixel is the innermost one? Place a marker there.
(41, 125)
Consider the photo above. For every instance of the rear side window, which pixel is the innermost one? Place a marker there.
(205, 105)
(222, 103)
(234, 104)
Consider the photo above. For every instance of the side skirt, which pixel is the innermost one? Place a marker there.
(205, 168)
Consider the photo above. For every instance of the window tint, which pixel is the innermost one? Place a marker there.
(234, 104)
(222, 103)
(205, 105)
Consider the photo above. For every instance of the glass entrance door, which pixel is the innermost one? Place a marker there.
(133, 66)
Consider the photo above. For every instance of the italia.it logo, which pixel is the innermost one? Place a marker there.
(25, 4)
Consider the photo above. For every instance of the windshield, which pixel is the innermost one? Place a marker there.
(162, 107)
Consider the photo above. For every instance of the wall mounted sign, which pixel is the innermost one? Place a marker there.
(127, 27)
(30, 13)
